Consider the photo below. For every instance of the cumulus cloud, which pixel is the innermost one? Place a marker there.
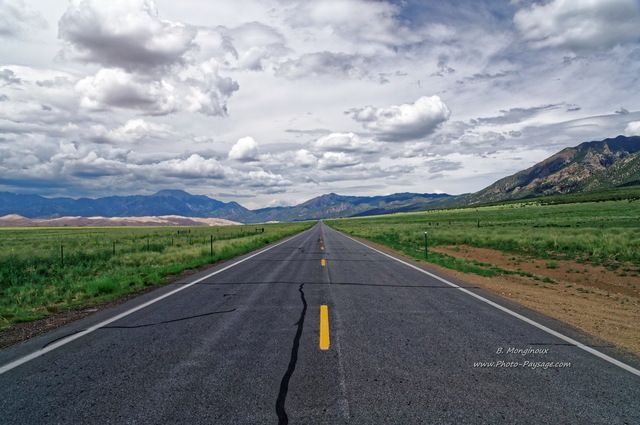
(256, 44)
(194, 167)
(265, 179)
(204, 90)
(132, 131)
(245, 149)
(633, 129)
(404, 122)
(124, 33)
(346, 142)
(199, 168)
(337, 160)
(304, 158)
(99, 166)
(580, 25)
(115, 88)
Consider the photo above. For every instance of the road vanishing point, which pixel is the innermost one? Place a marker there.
(317, 329)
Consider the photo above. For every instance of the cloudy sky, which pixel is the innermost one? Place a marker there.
(273, 102)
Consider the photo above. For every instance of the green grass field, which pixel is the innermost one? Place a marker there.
(44, 270)
(605, 233)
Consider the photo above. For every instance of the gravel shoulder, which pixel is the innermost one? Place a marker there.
(593, 299)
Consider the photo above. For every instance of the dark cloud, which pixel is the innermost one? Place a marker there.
(443, 67)
(515, 115)
(125, 33)
(439, 165)
(487, 76)
(9, 77)
(325, 63)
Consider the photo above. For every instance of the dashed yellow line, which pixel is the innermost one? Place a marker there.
(324, 327)
(323, 262)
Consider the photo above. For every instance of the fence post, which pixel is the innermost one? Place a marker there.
(426, 245)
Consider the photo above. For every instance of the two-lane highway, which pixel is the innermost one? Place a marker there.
(241, 344)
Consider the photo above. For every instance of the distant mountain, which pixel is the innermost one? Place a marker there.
(14, 220)
(180, 203)
(165, 202)
(335, 206)
(597, 165)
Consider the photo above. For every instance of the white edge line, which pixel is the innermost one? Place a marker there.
(80, 334)
(513, 313)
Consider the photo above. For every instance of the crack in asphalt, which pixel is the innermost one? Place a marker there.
(143, 325)
(283, 419)
(168, 321)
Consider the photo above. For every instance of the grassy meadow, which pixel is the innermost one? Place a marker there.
(44, 270)
(601, 233)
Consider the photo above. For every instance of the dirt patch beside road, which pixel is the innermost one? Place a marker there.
(593, 299)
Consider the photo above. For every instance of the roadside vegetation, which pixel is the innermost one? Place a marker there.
(45, 270)
(598, 231)
(573, 258)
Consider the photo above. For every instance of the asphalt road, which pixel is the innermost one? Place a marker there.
(241, 345)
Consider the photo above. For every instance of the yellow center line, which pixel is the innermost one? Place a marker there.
(322, 248)
(323, 262)
(324, 327)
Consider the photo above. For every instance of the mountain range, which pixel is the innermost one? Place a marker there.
(590, 166)
(181, 203)
(596, 165)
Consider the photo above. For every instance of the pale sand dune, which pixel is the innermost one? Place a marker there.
(14, 220)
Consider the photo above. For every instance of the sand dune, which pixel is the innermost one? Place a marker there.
(14, 220)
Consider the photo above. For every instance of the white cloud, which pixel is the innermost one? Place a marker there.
(633, 129)
(124, 33)
(580, 25)
(324, 63)
(256, 45)
(18, 19)
(201, 90)
(139, 95)
(304, 158)
(346, 142)
(357, 21)
(132, 131)
(115, 88)
(245, 149)
(265, 179)
(194, 167)
(337, 160)
(408, 121)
